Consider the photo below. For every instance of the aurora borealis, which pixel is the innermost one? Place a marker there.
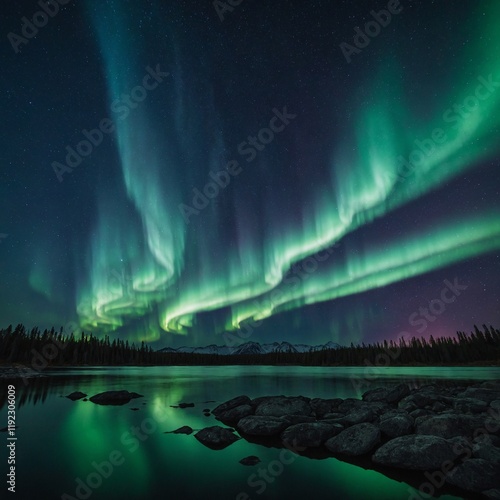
(336, 223)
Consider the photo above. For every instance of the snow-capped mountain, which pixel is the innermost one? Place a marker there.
(253, 348)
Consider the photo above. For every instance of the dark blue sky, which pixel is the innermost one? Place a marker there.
(168, 175)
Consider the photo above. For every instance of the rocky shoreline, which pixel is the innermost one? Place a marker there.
(446, 436)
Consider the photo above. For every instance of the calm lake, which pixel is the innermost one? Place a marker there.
(60, 441)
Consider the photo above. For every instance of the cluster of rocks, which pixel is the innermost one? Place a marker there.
(453, 430)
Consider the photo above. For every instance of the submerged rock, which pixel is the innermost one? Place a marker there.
(216, 437)
(251, 460)
(114, 397)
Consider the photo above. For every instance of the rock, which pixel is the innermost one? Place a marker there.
(186, 405)
(475, 475)
(396, 424)
(387, 394)
(357, 416)
(205, 410)
(114, 397)
(321, 407)
(420, 413)
(438, 407)
(415, 453)
(448, 426)
(235, 414)
(185, 429)
(86, 399)
(229, 405)
(261, 426)
(350, 404)
(74, 396)
(470, 405)
(216, 437)
(357, 440)
(251, 460)
(482, 393)
(298, 419)
(486, 451)
(494, 494)
(280, 406)
(309, 435)
(333, 416)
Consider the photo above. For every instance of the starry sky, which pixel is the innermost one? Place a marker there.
(177, 172)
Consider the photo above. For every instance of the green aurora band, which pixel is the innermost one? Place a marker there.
(166, 277)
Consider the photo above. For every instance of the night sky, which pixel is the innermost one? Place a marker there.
(170, 173)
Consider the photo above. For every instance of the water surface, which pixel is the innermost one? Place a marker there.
(61, 441)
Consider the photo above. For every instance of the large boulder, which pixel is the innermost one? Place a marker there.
(357, 416)
(396, 423)
(235, 414)
(114, 397)
(280, 406)
(310, 435)
(254, 425)
(475, 475)
(486, 451)
(357, 440)
(415, 452)
(321, 407)
(470, 405)
(216, 437)
(483, 393)
(229, 405)
(387, 394)
(448, 425)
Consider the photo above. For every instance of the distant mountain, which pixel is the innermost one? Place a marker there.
(253, 348)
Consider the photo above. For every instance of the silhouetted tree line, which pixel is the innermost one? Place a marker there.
(38, 350)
